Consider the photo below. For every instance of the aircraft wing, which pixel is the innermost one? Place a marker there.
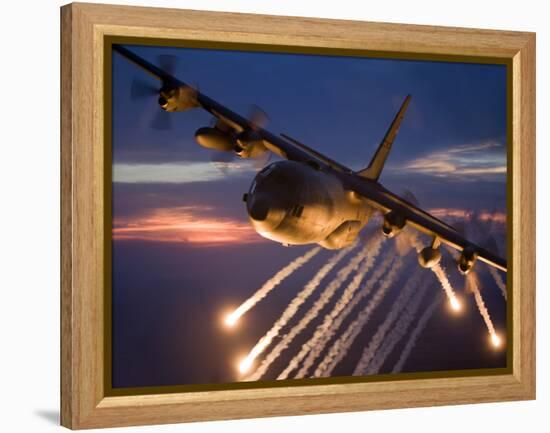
(386, 201)
(285, 148)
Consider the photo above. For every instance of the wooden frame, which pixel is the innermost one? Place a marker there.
(83, 400)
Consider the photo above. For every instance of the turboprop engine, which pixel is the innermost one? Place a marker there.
(429, 257)
(213, 138)
(181, 98)
(393, 224)
(247, 144)
(467, 260)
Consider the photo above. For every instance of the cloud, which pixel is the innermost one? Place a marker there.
(469, 162)
(462, 214)
(185, 224)
(179, 172)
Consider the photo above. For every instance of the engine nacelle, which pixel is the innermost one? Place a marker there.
(429, 257)
(180, 98)
(467, 260)
(393, 224)
(213, 138)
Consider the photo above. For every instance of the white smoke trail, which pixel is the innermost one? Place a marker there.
(404, 296)
(325, 332)
(421, 324)
(292, 308)
(366, 266)
(474, 286)
(341, 346)
(270, 284)
(346, 297)
(446, 285)
(325, 296)
(406, 240)
(499, 281)
(400, 327)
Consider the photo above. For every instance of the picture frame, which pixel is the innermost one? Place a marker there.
(87, 34)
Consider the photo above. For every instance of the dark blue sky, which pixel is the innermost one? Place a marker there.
(192, 225)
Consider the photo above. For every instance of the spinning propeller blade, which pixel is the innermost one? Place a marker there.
(161, 120)
(142, 89)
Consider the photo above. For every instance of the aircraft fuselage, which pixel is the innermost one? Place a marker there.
(295, 203)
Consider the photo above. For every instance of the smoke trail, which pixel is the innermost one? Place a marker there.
(446, 285)
(499, 281)
(406, 240)
(421, 324)
(474, 286)
(341, 346)
(346, 297)
(270, 284)
(292, 308)
(373, 253)
(325, 296)
(375, 342)
(398, 331)
(325, 332)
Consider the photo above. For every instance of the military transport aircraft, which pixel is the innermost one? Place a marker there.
(307, 197)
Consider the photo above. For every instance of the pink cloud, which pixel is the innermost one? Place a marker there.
(186, 224)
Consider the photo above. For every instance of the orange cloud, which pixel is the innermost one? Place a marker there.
(186, 224)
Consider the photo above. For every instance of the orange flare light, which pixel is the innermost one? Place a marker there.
(455, 304)
(245, 365)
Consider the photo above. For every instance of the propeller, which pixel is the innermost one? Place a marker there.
(142, 89)
(262, 160)
(409, 196)
(258, 117)
(161, 120)
(408, 238)
(158, 119)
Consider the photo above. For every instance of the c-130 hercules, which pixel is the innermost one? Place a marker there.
(308, 198)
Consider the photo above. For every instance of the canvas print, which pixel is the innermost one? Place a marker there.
(287, 216)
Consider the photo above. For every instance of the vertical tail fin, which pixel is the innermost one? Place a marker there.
(379, 159)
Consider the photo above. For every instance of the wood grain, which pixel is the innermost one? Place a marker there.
(84, 27)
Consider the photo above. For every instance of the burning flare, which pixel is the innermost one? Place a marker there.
(473, 283)
(446, 285)
(245, 364)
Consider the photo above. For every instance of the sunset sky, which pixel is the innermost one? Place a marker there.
(183, 250)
